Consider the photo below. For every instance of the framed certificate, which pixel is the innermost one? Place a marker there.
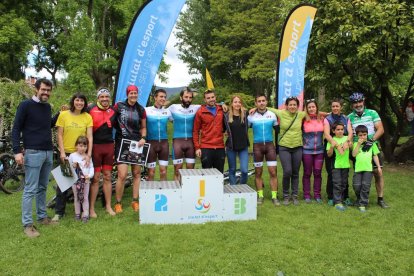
(131, 153)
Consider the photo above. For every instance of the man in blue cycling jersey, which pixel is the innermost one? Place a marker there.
(263, 122)
(157, 137)
(183, 115)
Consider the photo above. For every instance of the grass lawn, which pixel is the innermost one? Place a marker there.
(305, 240)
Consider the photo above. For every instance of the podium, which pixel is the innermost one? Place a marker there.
(199, 197)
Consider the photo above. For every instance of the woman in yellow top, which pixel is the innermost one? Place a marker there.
(290, 147)
(71, 124)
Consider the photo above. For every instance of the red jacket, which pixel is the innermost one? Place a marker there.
(208, 128)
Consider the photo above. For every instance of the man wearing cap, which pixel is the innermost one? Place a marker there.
(103, 117)
(369, 118)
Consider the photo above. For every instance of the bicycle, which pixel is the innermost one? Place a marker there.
(128, 183)
(226, 179)
(11, 174)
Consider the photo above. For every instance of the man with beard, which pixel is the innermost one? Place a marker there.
(208, 133)
(183, 115)
(33, 123)
(370, 119)
(103, 117)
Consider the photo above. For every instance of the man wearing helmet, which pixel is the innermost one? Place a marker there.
(370, 119)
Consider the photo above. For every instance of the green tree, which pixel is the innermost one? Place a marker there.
(366, 46)
(16, 36)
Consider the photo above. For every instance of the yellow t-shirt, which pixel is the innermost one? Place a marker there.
(73, 127)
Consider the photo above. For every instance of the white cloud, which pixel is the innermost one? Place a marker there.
(178, 74)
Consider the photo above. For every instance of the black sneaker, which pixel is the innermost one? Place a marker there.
(382, 204)
(260, 200)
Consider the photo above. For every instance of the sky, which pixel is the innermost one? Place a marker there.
(178, 75)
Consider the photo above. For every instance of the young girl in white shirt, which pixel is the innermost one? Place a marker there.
(84, 174)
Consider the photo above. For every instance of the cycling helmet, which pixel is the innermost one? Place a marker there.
(356, 97)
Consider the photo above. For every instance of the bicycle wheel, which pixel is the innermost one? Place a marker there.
(12, 175)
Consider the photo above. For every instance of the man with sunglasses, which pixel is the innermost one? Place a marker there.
(370, 119)
(208, 133)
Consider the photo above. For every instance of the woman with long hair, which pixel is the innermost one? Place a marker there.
(237, 142)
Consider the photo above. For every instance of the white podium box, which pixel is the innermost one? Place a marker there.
(202, 195)
(240, 202)
(160, 202)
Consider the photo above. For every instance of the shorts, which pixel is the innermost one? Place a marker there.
(183, 148)
(103, 157)
(158, 149)
(264, 150)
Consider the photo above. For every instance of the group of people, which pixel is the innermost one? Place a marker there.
(85, 138)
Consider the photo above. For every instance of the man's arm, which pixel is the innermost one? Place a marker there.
(379, 130)
(196, 133)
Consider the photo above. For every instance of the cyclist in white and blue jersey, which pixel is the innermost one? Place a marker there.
(157, 137)
(263, 123)
(183, 147)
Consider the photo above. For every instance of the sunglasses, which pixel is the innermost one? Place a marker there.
(310, 101)
(292, 98)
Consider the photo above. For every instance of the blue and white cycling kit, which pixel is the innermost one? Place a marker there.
(157, 119)
(262, 125)
(183, 120)
(183, 132)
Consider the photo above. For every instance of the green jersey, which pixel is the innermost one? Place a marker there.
(363, 160)
(368, 118)
(341, 160)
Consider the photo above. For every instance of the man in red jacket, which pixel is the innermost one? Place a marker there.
(208, 133)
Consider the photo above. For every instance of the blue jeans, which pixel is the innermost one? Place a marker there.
(244, 163)
(37, 164)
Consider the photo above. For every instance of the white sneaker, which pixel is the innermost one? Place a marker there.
(56, 218)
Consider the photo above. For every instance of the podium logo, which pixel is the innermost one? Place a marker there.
(202, 205)
(239, 206)
(161, 203)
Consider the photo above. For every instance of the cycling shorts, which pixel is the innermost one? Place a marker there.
(158, 149)
(103, 157)
(183, 148)
(264, 150)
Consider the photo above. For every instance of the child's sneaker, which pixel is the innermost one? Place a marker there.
(308, 200)
(319, 200)
(362, 209)
(260, 200)
(330, 202)
(118, 208)
(135, 206)
(340, 207)
(77, 217)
